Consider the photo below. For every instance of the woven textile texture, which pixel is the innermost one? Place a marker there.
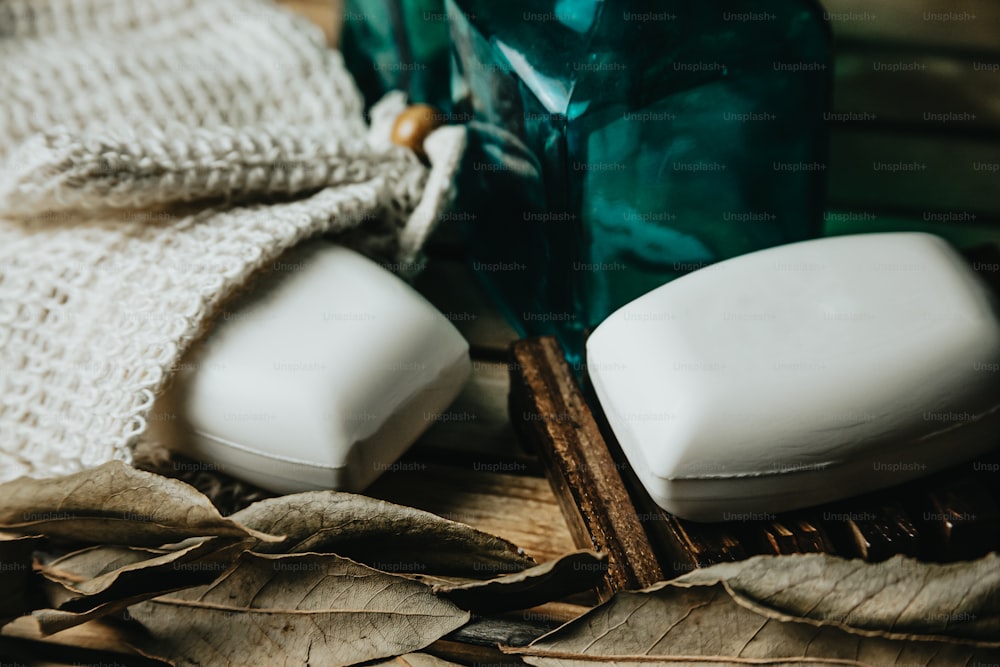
(155, 155)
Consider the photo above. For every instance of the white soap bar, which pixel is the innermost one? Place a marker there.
(801, 374)
(320, 378)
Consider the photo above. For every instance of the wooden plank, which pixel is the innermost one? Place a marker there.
(518, 507)
(549, 411)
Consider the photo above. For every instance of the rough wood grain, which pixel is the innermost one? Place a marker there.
(518, 507)
(548, 409)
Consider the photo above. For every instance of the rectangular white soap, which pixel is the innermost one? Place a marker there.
(319, 377)
(802, 374)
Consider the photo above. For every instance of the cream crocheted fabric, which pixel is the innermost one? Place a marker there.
(157, 154)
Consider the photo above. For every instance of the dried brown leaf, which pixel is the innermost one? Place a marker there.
(294, 610)
(137, 575)
(15, 574)
(572, 573)
(701, 624)
(92, 562)
(898, 597)
(416, 660)
(383, 535)
(114, 504)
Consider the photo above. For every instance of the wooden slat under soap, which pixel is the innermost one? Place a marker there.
(549, 411)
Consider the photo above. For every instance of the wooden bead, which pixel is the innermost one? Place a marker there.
(413, 125)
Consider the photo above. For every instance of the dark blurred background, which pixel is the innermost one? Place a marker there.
(916, 82)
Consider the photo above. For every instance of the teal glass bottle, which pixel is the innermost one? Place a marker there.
(398, 45)
(618, 144)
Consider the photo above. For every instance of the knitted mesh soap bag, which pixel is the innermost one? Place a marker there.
(155, 155)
